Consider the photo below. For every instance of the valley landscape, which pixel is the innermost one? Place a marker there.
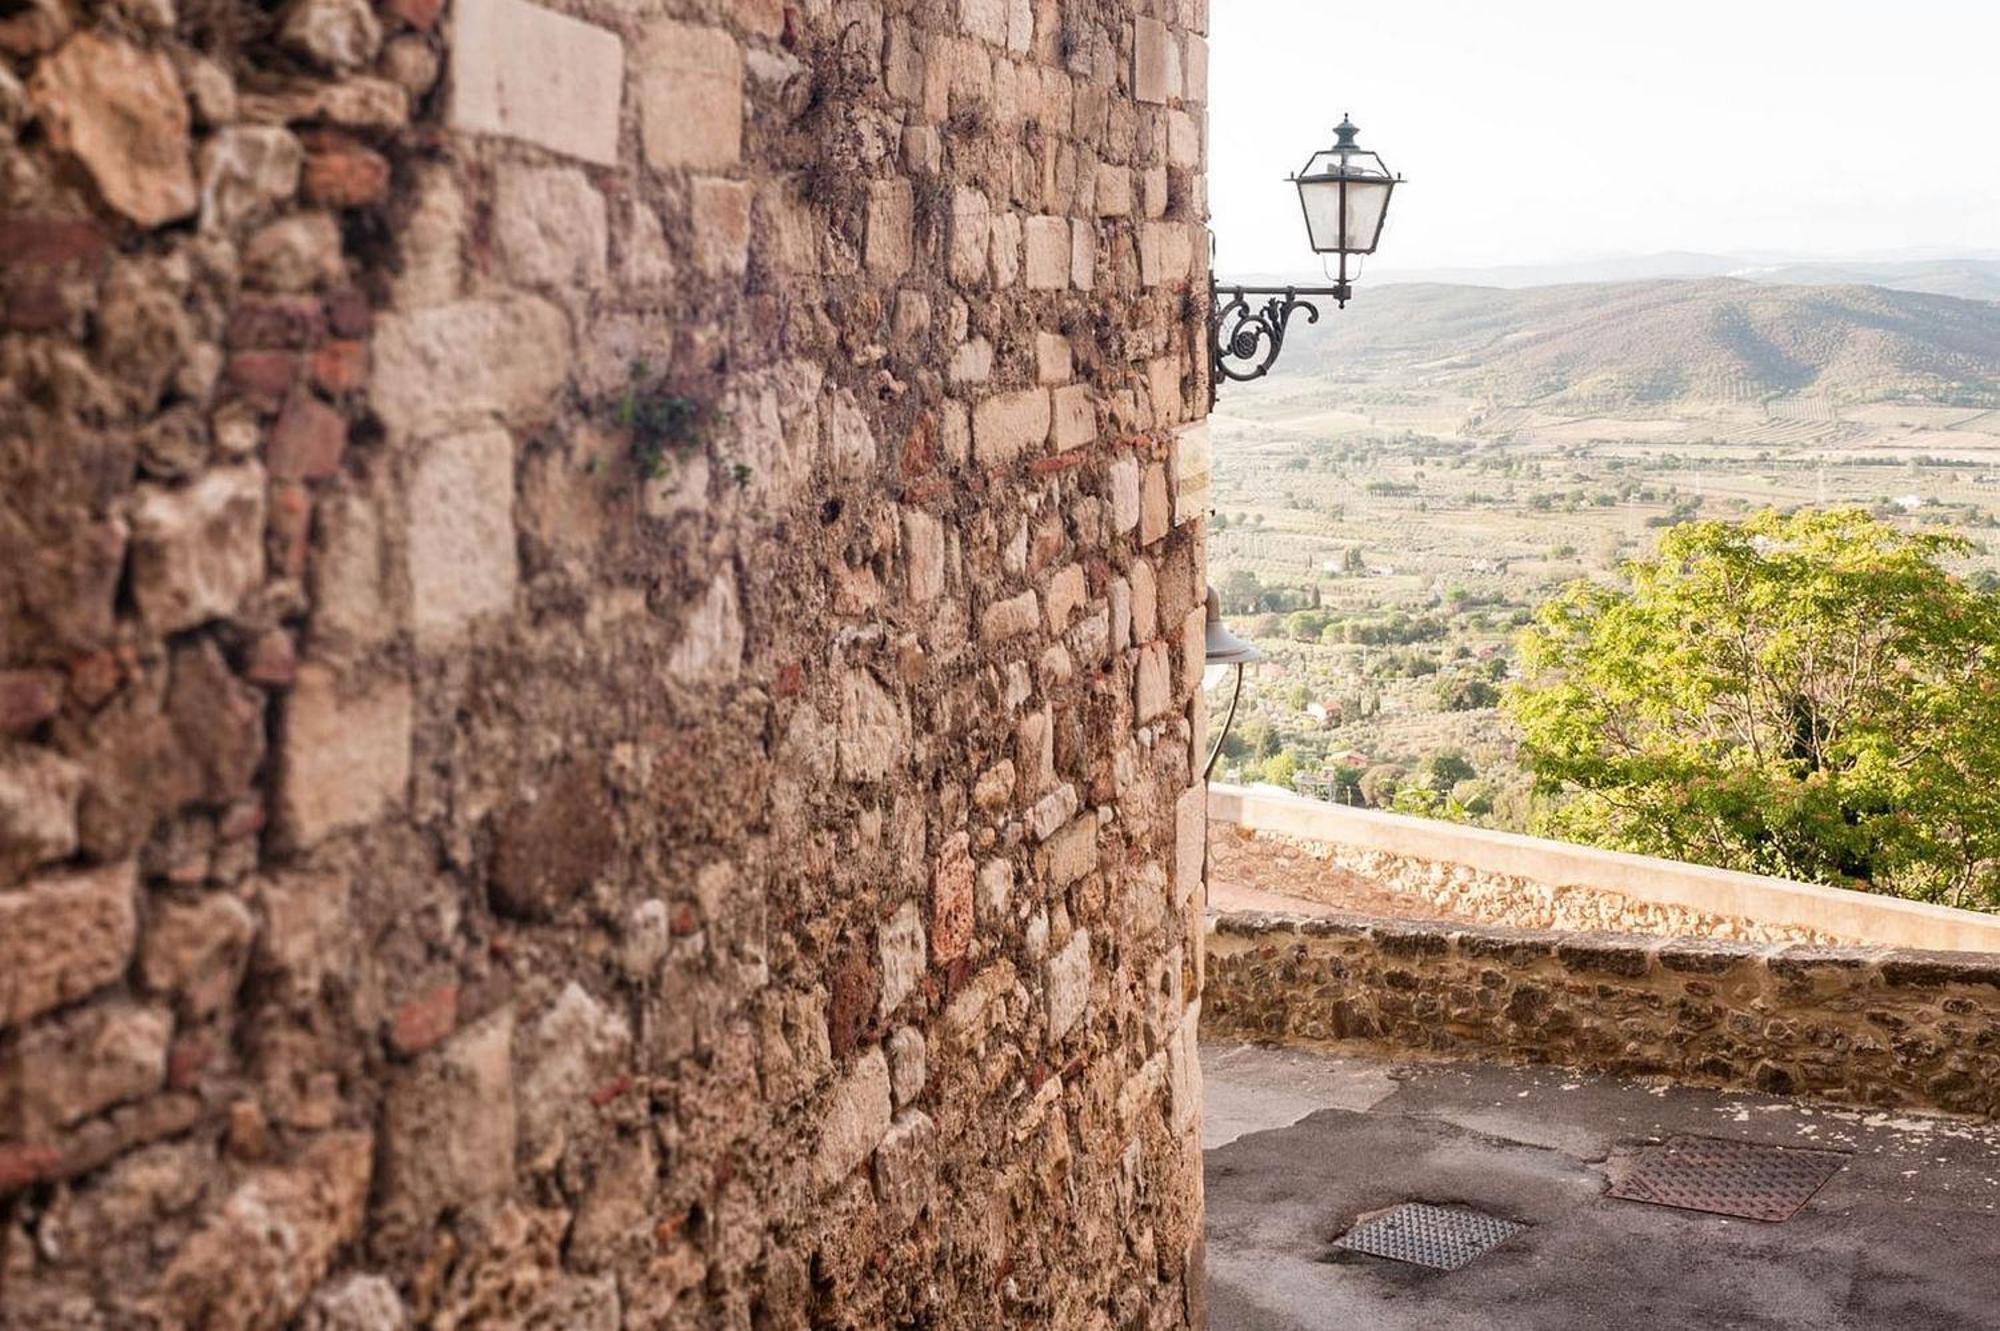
(1429, 465)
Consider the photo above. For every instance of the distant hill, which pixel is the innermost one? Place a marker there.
(1971, 276)
(1719, 340)
(1970, 279)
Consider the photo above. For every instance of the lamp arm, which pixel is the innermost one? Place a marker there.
(1215, 751)
(1244, 341)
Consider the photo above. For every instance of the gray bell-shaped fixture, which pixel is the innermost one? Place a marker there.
(1224, 647)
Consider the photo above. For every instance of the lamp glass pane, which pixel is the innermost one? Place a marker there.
(1322, 203)
(1366, 202)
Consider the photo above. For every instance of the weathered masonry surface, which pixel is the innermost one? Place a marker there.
(1874, 1026)
(600, 619)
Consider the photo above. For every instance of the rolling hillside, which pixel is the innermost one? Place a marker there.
(1594, 345)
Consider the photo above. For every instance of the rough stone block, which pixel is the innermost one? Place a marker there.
(307, 440)
(1047, 240)
(1194, 69)
(197, 949)
(463, 363)
(1054, 363)
(1192, 459)
(923, 555)
(1034, 752)
(891, 222)
(63, 937)
(710, 650)
(346, 177)
(39, 793)
(1145, 601)
(565, 98)
(1156, 61)
(951, 900)
(344, 757)
(721, 214)
(855, 1118)
(258, 1257)
(1154, 686)
(971, 233)
(198, 551)
(906, 1168)
(1075, 411)
(1163, 385)
(985, 19)
(1183, 140)
(1166, 251)
(690, 96)
(971, 363)
(1124, 487)
(1073, 850)
(873, 733)
(550, 227)
(349, 605)
(1190, 841)
(1194, 646)
(907, 1056)
(28, 698)
(1010, 618)
(1004, 253)
(449, 1126)
(1069, 984)
(341, 36)
(1083, 255)
(119, 110)
(1154, 510)
(306, 935)
(1066, 591)
(1114, 190)
(900, 945)
(1007, 424)
(87, 1061)
(462, 561)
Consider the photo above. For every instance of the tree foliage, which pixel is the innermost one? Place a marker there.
(1815, 696)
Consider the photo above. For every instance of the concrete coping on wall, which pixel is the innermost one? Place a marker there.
(1878, 920)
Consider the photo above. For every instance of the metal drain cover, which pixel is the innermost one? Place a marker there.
(1728, 1178)
(1441, 1237)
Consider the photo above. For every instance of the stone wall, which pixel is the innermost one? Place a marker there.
(600, 611)
(1366, 881)
(1875, 1026)
(1492, 872)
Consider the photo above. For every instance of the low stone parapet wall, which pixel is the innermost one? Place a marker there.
(1874, 1026)
(1476, 870)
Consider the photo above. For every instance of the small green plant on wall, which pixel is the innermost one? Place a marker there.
(663, 423)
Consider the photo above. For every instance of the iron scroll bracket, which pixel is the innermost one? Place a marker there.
(1244, 337)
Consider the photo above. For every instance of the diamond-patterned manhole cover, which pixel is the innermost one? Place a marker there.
(1728, 1178)
(1441, 1237)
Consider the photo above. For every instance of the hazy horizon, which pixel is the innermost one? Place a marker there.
(1778, 132)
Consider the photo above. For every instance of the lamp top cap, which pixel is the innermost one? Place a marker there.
(1344, 132)
(1222, 646)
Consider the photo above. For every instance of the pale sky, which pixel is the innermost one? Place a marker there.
(1541, 130)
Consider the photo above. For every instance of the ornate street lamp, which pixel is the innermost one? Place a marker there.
(1344, 193)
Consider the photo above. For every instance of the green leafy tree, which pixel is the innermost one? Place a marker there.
(1814, 695)
(1442, 771)
(1281, 770)
(1344, 783)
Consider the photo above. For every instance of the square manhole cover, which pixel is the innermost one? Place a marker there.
(1727, 1178)
(1441, 1237)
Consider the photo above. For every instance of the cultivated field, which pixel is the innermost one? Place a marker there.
(1399, 535)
